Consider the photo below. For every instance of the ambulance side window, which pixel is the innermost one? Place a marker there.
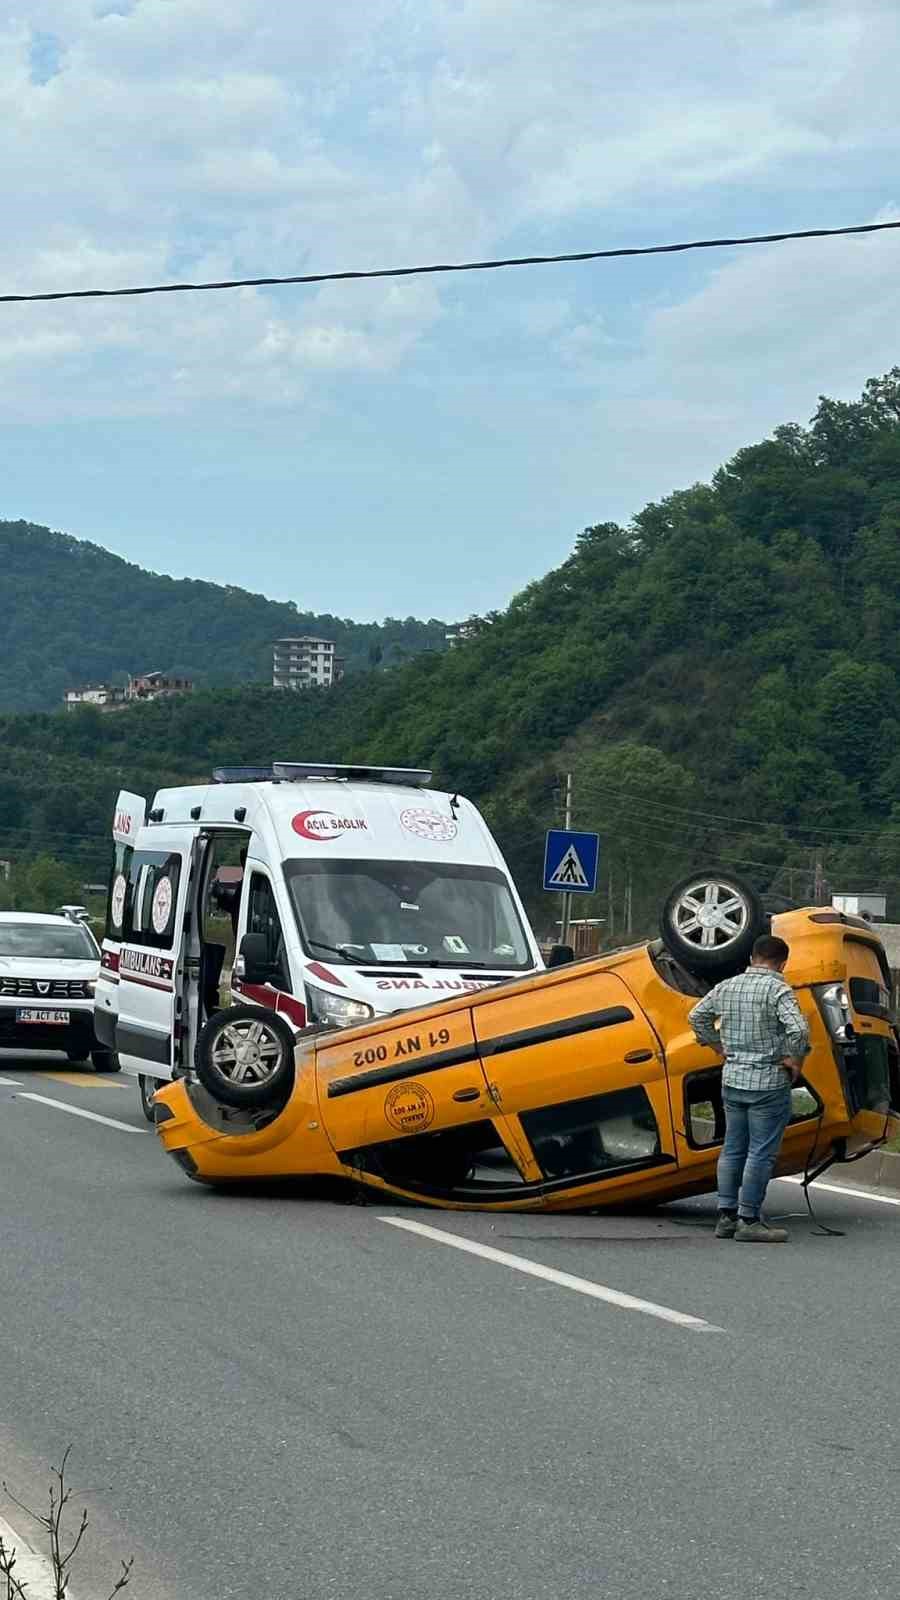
(152, 898)
(262, 917)
(117, 894)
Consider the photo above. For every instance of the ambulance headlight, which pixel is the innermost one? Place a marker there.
(335, 1010)
(834, 1004)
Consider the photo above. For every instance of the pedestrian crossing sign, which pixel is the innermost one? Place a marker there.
(570, 861)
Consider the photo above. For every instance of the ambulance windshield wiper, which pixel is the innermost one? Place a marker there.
(345, 951)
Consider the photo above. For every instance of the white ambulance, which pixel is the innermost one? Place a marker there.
(341, 893)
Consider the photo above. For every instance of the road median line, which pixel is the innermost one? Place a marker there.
(563, 1280)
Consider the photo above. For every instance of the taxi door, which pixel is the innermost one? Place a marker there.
(408, 1102)
(573, 1064)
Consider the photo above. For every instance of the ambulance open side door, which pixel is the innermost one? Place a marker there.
(155, 958)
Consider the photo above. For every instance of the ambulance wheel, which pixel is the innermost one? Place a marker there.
(105, 1061)
(148, 1087)
(245, 1057)
(710, 921)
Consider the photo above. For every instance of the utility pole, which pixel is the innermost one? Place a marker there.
(567, 897)
(819, 881)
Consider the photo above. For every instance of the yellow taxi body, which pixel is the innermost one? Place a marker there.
(576, 1088)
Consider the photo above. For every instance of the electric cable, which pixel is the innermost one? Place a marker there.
(450, 266)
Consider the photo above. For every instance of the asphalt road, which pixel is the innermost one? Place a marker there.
(283, 1398)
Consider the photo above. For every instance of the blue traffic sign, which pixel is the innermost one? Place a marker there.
(570, 861)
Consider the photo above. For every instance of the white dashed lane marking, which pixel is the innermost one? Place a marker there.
(76, 1111)
(563, 1280)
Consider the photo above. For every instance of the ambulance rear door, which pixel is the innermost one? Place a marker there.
(160, 882)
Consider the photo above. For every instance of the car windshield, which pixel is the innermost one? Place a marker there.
(386, 912)
(48, 941)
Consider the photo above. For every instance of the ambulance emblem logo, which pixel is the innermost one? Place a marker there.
(431, 825)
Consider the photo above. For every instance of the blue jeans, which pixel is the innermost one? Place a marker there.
(755, 1120)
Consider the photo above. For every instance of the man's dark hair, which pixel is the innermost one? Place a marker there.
(768, 948)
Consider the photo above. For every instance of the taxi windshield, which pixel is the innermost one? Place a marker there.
(48, 941)
(423, 914)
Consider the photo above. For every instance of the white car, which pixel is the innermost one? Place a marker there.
(48, 972)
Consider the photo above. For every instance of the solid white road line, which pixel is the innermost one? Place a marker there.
(32, 1571)
(563, 1280)
(76, 1111)
(845, 1188)
(10, 1083)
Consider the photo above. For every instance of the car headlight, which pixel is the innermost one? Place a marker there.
(91, 986)
(834, 1004)
(335, 1010)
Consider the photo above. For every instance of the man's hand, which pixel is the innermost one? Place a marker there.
(794, 1066)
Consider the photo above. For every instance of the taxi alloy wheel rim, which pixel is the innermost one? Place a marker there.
(246, 1052)
(710, 914)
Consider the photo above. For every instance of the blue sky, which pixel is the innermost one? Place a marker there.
(430, 446)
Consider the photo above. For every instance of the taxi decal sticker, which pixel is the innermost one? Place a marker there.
(409, 1108)
(430, 825)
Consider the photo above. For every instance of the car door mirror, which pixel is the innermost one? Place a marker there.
(560, 954)
(253, 964)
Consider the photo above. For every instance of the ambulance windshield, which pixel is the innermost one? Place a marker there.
(391, 912)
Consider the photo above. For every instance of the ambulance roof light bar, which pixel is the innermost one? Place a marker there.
(404, 777)
(243, 774)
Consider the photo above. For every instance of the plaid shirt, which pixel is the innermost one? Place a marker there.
(755, 1021)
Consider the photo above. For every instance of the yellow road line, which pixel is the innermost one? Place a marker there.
(83, 1080)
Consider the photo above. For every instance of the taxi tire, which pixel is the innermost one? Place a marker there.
(717, 961)
(246, 1096)
(105, 1061)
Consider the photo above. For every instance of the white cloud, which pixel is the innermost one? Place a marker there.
(191, 138)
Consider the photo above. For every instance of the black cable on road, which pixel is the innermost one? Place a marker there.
(450, 266)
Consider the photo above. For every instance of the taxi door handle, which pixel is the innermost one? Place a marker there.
(634, 1056)
(467, 1094)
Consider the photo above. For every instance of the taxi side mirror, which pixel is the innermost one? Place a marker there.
(254, 956)
(560, 954)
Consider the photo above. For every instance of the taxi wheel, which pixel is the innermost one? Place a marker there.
(245, 1057)
(710, 922)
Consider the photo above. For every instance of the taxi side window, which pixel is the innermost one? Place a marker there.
(262, 917)
(151, 898)
(598, 1133)
(704, 1111)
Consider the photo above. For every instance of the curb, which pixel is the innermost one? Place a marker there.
(880, 1170)
(32, 1570)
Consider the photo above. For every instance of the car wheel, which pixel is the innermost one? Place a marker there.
(245, 1057)
(105, 1061)
(148, 1088)
(710, 922)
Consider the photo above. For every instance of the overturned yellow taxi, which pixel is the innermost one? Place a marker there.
(577, 1087)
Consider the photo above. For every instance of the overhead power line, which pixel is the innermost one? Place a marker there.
(449, 266)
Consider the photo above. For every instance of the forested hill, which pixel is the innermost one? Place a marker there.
(74, 613)
(721, 677)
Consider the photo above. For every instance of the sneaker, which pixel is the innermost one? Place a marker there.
(759, 1233)
(726, 1226)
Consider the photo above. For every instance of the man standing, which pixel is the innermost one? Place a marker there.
(755, 1022)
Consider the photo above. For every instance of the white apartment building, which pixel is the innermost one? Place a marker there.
(304, 662)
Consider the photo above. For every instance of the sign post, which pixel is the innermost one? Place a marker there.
(570, 863)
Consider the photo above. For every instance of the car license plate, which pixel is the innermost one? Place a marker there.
(43, 1016)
